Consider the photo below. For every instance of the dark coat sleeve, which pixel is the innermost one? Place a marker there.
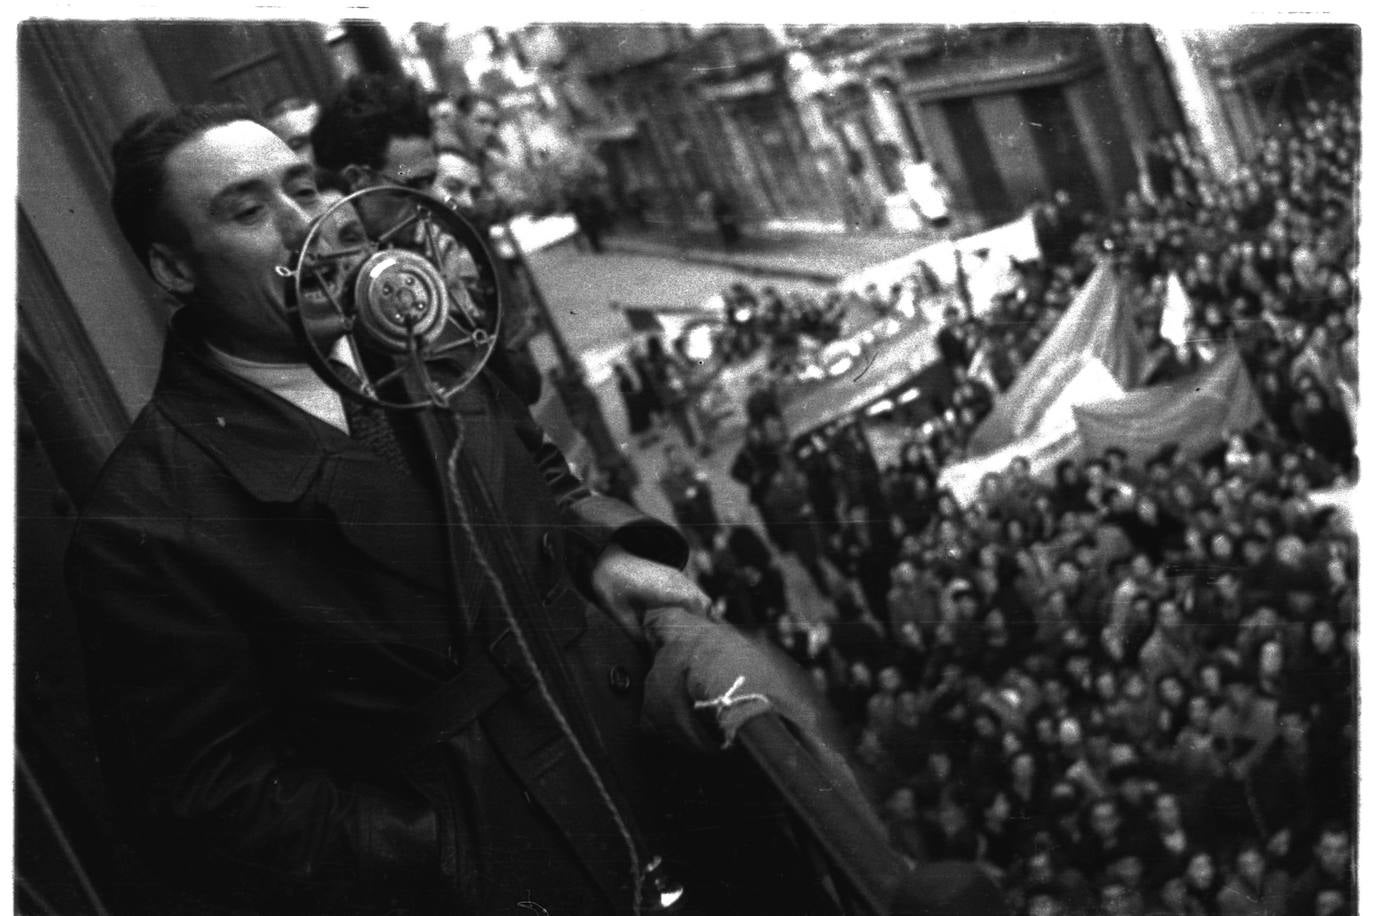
(590, 521)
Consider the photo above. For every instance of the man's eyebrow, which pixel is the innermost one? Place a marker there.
(237, 189)
(294, 172)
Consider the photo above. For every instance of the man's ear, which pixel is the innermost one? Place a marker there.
(170, 269)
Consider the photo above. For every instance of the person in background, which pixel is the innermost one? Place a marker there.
(635, 398)
(786, 507)
(748, 579)
(479, 122)
(952, 340)
(376, 132)
(293, 118)
(1328, 879)
(664, 372)
(459, 180)
(1254, 889)
(448, 123)
(689, 493)
(726, 216)
(589, 211)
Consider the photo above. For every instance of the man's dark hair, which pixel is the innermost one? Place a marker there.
(330, 180)
(140, 168)
(1291, 706)
(1331, 827)
(357, 124)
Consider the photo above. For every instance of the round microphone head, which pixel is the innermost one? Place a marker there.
(401, 297)
(406, 285)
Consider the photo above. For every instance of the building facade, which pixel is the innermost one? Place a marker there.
(89, 333)
(1236, 84)
(820, 123)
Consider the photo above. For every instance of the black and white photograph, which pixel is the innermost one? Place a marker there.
(536, 466)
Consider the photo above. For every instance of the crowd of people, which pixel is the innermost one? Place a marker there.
(768, 318)
(663, 387)
(1129, 689)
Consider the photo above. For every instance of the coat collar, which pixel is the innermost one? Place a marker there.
(279, 453)
(268, 445)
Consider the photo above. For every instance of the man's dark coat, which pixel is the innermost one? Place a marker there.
(306, 694)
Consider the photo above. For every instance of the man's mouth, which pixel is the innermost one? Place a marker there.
(321, 283)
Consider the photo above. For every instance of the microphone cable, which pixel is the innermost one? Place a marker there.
(545, 692)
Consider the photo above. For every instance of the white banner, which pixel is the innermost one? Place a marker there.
(987, 262)
(1054, 438)
(1173, 325)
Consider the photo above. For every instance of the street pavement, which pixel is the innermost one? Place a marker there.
(822, 257)
(579, 287)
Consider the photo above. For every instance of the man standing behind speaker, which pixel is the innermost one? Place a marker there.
(376, 132)
(292, 119)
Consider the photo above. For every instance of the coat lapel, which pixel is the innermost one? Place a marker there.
(387, 514)
(281, 454)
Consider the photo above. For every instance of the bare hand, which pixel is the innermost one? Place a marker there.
(628, 585)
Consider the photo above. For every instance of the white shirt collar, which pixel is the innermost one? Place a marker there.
(295, 383)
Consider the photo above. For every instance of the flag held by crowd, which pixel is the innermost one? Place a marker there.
(1193, 412)
(1097, 324)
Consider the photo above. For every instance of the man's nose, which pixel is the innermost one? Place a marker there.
(294, 221)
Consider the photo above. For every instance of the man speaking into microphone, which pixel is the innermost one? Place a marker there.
(316, 687)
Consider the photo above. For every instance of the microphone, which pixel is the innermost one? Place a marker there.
(419, 300)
